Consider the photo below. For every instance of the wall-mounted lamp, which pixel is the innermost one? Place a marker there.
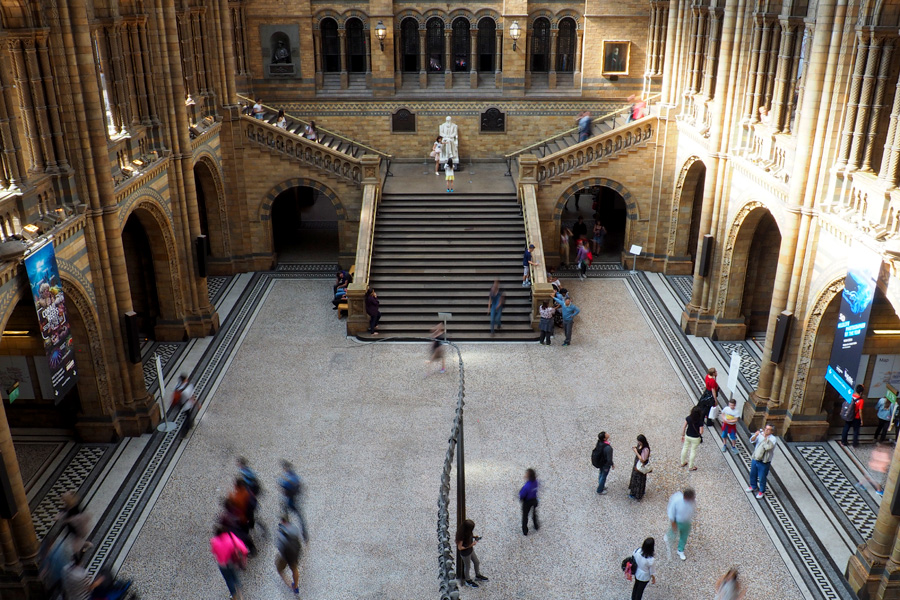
(381, 33)
(514, 32)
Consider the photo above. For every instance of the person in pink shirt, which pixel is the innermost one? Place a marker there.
(231, 556)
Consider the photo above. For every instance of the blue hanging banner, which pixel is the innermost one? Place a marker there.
(856, 305)
(50, 304)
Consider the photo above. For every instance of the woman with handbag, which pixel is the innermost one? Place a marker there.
(640, 469)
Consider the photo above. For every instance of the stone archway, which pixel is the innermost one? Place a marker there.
(323, 194)
(750, 256)
(687, 202)
(154, 271)
(616, 207)
(211, 207)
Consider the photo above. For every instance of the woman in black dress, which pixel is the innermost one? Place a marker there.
(638, 479)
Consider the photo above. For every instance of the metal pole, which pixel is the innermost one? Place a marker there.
(460, 490)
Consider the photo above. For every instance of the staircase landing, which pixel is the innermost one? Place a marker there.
(471, 178)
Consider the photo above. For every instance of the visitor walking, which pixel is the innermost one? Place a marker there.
(640, 469)
(465, 543)
(311, 133)
(76, 522)
(602, 458)
(527, 263)
(565, 238)
(287, 542)
(258, 110)
(710, 395)
(681, 512)
(184, 395)
(436, 155)
(579, 229)
(291, 490)
(584, 126)
(496, 300)
(645, 570)
(879, 462)
(691, 434)
(884, 409)
(730, 416)
(762, 459)
(569, 312)
(728, 587)
(546, 312)
(372, 303)
(231, 556)
(281, 121)
(436, 349)
(448, 175)
(582, 257)
(597, 240)
(529, 499)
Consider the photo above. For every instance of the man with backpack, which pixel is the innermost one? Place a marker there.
(602, 458)
(291, 487)
(851, 412)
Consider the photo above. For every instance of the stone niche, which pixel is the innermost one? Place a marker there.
(280, 51)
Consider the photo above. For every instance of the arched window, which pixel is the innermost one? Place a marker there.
(434, 45)
(409, 45)
(356, 46)
(540, 46)
(565, 47)
(487, 44)
(331, 46)
(460, 44)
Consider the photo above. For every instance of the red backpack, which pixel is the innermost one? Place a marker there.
(590, 257)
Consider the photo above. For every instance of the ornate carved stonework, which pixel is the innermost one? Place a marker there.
(728, 254)
(808, 341)
(676, 204)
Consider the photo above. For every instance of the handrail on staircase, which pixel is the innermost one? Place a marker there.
(356, 318)
(509, 157)
(326, 131)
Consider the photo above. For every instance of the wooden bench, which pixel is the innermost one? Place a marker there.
(343, 306)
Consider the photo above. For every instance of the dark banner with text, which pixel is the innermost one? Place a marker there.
(856, 305)
(50, 304)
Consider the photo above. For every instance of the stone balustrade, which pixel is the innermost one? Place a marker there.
(299, 148)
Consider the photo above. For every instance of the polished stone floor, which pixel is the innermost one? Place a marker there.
(367, 430)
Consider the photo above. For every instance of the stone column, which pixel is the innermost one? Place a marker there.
(712, 54)
(653, 41)
(859, 69)
(762, 51)
(423, 60)
(20, 529)
(473, 61)
(368, 60)
(131, 75)
(345, 76)
(878, 103)
(891, 156)
(670, 70)
(865, 102)
(498, 60)
(448, 58)
(576, 58)
(317, 55)
(551, 77)
(40, 109)
(26, 103)
(228, 52)
(785, 56)
(695, 55)
(795, 85)
(13, 160)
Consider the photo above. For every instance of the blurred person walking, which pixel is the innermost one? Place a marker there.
(884, 409)
(529, 499)
(437, 348)
(287, 542)
(496, 301)
(76, 522)
(640, 469)
(465, 543)
(565, 238)
(291, 490)
(77, 583)
(372, 304)
(680, 511)
(691, 434)
(728, 587)
(602, 458)
(231, 557)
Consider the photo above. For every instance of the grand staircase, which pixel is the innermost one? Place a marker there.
(440, 253)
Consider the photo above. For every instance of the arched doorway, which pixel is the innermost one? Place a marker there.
(409, 45)
(331, 46)
(685, 227)
(434, 45)
(460, 44)
(356, 46)
(304, 227)
(759, 281)
(487, 44)
(565, 46)
(540, 46)
(598, 203)
(208, 205)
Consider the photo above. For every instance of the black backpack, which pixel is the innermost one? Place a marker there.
(627, 561)
(598, 456)
(848, 411)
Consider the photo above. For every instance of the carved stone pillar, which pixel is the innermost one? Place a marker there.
(120, 77)
(891, 155)
(131, 75)
(551, 77)
(859, 69)
(423, 60)
(13, 162)
(152, 103)
(448, 58)
(20, 527)
(473, 58)
(498, 62)
(884, 68)
(785, 56)
(26, 103)
(40, 109)
(771, 65)
(712, 54)
(345, 76)
(762, 51)
(865, 102)
(317, 57)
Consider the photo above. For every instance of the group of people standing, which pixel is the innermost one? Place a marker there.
(232, 543)
(585, 247)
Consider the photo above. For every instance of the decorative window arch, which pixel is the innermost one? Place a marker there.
(434, 45)
(331, 45)
(486, 44)
(540, 45)
(460, 44)
(565, 45)
(409, 45)
(356, 45)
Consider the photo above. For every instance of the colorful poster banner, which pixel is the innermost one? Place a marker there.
(856, 305)
(50, 304)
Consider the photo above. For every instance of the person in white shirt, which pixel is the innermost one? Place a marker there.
(258, 110)
(762, 458)
(645, 571)
(681, 513)
(730, 416)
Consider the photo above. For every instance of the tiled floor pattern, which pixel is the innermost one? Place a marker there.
(166, 351)
(749, 360)
(683, 285)
(215, 285)
(309, 270)
(72, 477)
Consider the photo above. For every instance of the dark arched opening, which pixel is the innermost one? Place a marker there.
(697, 176)
(141, 276)
(409, 45)
(304, 227)
(356, 46)
(759, 279)
(487, 44)
(208, 204)
(331, 46)
(565, 46)
(540, 46)
(461, 44)
(434, 45)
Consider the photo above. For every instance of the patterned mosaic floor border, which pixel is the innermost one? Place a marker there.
(750, 363)
(215, 286)
(308, 270)
(168, 353)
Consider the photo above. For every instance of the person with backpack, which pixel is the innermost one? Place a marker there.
(642, 568)
(291, 488)
(710, 395)
(569, 312)
(287, 542)
(851, 412)
(602, 458)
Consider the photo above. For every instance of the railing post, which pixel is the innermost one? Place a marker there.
(357, 321)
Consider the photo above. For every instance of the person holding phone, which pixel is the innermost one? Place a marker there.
(465, 543)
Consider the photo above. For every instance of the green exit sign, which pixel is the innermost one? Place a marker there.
(891, 393)
(13, 392)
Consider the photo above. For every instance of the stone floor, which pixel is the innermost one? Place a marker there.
(368, 431)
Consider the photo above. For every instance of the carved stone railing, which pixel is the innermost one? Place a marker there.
(527, 193)
(869, 206)
(357, 320)
(298, 148)
(771, 151)
(600, 148)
